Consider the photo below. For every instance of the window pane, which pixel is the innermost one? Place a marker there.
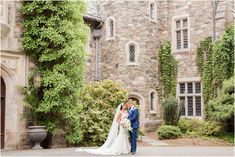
(111, 28)
(151, 10)
(152, 101)
(190, 105)
(132, 53)
(178, 39)
(182, 102)
(178, 24)
(198, 87)
(185, 23)
(185, 37)
(182, 88)
(198, 105)
(190, 87)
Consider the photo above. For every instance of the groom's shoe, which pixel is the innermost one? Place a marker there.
(133, 153)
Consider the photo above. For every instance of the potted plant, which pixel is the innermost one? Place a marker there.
(36, 131)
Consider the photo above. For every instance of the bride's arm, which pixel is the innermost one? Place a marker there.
(119, 118)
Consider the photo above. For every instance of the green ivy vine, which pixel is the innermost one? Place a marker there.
(215, 62)
(168, 69)
(54, 37)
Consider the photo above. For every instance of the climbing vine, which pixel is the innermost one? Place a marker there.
(168, 70)
(215, 62)
(55, 37)
(204, 58)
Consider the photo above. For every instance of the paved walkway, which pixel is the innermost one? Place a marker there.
(152, 142)
(142, 151)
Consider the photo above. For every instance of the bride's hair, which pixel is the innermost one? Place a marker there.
(121, 107)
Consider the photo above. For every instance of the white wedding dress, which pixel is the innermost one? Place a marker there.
(117, 142)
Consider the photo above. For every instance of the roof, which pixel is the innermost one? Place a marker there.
(93, 11)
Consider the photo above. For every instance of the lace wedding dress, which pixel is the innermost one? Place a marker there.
(117, 142)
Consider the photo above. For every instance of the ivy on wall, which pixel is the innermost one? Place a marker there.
(204, 58)
(168, 70)
(215, 62)
(55, 37)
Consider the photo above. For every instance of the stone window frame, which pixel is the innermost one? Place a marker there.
(137, 50)
(154, 110)
(107, 27)
(194, 94)
(173, 32)
(154, 13)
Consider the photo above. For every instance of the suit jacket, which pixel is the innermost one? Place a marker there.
(134, 118)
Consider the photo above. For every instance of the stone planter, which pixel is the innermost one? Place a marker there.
(37, 134)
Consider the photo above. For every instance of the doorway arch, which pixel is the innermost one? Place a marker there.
(3, 106)
(139, 99)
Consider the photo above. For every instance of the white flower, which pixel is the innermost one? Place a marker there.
(126, 123)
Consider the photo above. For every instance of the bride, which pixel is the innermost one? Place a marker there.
(117, 141)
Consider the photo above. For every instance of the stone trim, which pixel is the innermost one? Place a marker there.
(173, 34)
(137, 50)
(154, 19)
(111, 18)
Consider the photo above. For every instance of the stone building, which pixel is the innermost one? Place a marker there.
(123, 43)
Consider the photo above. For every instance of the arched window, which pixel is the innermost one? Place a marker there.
(110, 28)
(132, 54)
(132, 50)
(152, 11)
(152, 98)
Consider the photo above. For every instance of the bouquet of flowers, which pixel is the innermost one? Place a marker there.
(126, 123)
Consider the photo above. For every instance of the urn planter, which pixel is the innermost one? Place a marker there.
(37, 134)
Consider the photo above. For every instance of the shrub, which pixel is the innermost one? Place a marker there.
(221, 109)
(189, 125)
(199, 127)
(99, 100)
(209, 129)
(171, 111)
(168, 132)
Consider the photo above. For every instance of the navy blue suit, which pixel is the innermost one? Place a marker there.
(134, 118)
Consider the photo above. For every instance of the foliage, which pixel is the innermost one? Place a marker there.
(215, 63)
(229, 137)
(168, 70)
(168, 132)
(100, 100)
(223, 57)
(171, 111)
(221, 109)
(189, 125)
(204, 63)
(199, 127)
(55, 37)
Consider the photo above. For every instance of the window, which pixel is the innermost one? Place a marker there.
(180, 33)
(110, 28)
(190, 99)
(152, 11)
(152, 101)
(132, 50)
(132, 53)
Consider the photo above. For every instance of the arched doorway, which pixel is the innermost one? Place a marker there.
(135, 100)
(3, 103)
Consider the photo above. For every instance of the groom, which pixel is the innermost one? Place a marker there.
(133, 116)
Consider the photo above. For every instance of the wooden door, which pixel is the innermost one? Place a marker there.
(3, 103)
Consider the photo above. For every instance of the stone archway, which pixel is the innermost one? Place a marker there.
(3, 103)
(139, 99)
(11, 131)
